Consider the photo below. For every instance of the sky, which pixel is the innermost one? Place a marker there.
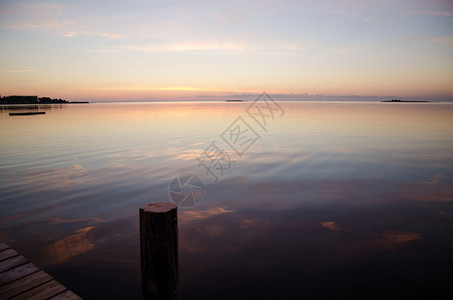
(207, 50)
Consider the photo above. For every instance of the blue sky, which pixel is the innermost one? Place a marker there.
(148, 50)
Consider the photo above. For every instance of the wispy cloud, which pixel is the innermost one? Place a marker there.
(368, 19)
(32, 16)
(446, 39)
(170, 88)
(93, 33)
(18, 71)
(106, 51)
(441, 12)
(36, 25)
(191, 46)
(445, 13)
(228, 47)
(59, 28)
(53, 18)
(42, 9)
(344, 50)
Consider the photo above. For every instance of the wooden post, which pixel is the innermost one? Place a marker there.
(159, 251)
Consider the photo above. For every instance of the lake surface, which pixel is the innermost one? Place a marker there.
(329, 200)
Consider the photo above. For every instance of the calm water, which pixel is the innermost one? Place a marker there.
(335, 200)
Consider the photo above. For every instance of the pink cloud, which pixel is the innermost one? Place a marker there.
(446, 39)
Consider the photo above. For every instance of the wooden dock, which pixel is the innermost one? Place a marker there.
(20, 279)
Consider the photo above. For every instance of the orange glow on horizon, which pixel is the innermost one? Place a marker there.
(171, 88)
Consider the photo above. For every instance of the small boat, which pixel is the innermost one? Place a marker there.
(27, 113)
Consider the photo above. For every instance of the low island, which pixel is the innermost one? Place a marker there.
(405, 101)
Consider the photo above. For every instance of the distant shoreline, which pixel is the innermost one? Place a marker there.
(229, 101)
(34, 100)
(405, 101)
(71, 102)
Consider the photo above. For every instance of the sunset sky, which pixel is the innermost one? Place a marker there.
(203, 50)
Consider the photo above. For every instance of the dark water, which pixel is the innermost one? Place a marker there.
(333, 200)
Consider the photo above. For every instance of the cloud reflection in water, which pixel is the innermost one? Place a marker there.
(337, 200)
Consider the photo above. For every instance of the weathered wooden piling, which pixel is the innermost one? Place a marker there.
(159, 251)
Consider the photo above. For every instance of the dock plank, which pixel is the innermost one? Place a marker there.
(12, 262)
(28, 282)
(7, 253)
(21, 279)
(42, 292)
(17, 273)
(3, 246)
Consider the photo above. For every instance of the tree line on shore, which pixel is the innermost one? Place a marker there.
(15, 99)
